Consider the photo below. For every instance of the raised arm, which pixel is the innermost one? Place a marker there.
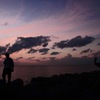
(95, 62)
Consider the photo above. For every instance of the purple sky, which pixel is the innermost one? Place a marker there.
(56, 32)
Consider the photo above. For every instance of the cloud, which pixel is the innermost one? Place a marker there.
(96, 54)
(32, 51)
(86, 51)
(30, 58)
(37, 60)
(28, 42)
(70, 61)
(43, 58)
(45, 45)
(69, 55)
(42, 9)
(44, 50)
(55, 53)
(2, 49)
(19, 58)
(7, 45)
(4, 24)
(98, 44)
(78, 41)
(74, 49)
(52, 58)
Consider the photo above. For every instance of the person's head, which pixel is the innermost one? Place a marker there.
(7, 55)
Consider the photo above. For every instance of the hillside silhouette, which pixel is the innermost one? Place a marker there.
(83, 86)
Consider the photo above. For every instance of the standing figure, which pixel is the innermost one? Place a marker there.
(8, 68)
(95, 62)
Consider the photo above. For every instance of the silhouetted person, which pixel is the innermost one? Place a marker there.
(8, 68)
(95, 62)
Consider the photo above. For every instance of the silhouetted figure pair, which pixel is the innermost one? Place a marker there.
(8, 68)
(95, 62)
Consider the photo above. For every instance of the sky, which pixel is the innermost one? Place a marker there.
(54, 32)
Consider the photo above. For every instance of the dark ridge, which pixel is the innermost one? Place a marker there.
(83, 86)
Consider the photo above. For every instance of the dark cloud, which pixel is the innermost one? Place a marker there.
(30, 58)
(37, 60)
(55, 37)
(52, 58)
(96, 54)
(43, 58)
(45, 45)
(74, 49)
(28, 42)
(4, 24)
(98, 44)
(7, 45)
(74, 42)
(19, 58)
(69, 55)
(44, 50)
(55, 53)
(2, 49)
(32, 51)
(86, 51)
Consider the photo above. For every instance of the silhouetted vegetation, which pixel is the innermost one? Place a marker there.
(83, 86)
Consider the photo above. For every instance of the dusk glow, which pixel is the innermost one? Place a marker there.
(50, 32)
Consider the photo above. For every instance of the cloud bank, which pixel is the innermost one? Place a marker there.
(78, 41)
(28, 42)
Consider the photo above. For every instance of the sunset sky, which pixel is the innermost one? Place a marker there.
(63, 32)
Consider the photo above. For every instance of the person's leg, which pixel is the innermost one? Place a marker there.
(4, 75)
(9, 77)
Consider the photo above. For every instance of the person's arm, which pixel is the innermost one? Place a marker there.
(12, 65)
(95, 62)
(95, 59)
(4, 62)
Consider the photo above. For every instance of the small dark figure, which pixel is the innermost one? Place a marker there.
(95, 62)
(8, 68)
